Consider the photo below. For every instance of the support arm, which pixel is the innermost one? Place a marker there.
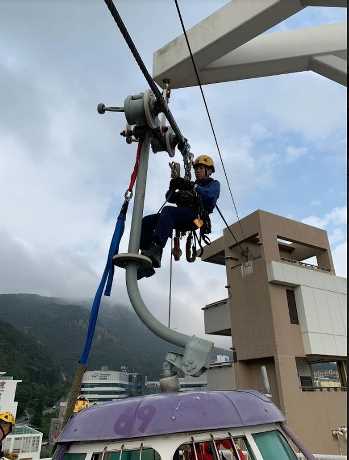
(196, 355)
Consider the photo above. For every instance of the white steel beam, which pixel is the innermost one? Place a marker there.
(335, 3)
(225, 30)
(330, 66)
(273, 54)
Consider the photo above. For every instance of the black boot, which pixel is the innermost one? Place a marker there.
(144, 272)
(154, 253)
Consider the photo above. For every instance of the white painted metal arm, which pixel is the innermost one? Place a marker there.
(335, 3)
(279, 53)
(230, 45)
(225, 30)
(330, 66)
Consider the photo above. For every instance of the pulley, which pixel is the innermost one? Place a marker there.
(164, 141)
(141, 109)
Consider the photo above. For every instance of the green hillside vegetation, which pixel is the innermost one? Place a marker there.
(43, 337)
(24, 358)
(120, 338)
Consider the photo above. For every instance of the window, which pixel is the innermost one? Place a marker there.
(217, 449)
(326, 375)
(292, 307)
(136, 454)
(321, 376)
(273, 446)
(68, 456)
(243, 449)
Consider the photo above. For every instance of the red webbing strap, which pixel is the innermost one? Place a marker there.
(135, 168)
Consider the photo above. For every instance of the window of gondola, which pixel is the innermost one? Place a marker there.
(143, 453)
(74, 456)
(273, 446)
(215, 449)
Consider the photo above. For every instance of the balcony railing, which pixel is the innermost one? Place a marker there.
(324, 389)
(304, 264)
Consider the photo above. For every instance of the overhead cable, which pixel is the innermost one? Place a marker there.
(182, 141)
(243, 252)
(207, 111)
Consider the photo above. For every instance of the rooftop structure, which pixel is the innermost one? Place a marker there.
(8, 386)
(286, 314)
(25, 442)
(105, 385)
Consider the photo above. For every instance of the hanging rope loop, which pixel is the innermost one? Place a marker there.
(128, 195)
(129, 191)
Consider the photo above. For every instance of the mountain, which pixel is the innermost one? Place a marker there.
(24, 358)
(60, 326)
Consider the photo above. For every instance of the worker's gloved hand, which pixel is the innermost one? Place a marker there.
(186, 199)
(179, 183)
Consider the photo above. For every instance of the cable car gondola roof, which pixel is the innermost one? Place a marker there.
(170, 413)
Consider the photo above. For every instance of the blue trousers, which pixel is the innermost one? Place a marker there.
(159, 227)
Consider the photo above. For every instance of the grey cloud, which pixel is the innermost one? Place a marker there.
(65, 168)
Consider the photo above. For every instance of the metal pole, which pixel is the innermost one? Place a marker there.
(170, 287)
(137, 213)
(132, 268)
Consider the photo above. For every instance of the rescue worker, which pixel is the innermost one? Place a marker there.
(81, 403)
(7, 422)
(191, 198)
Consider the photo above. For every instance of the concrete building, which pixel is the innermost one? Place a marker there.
(25, 442)
(151, 387)
(287, 319)
(136, 384)
(189, 383)
(105, 385)
(8, 386)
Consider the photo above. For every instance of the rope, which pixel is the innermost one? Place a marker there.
(105, 282)
(243, 252)
(207, 111)
(170, 287)
(135, 168)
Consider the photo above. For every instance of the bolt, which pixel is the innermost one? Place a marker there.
(101, 108)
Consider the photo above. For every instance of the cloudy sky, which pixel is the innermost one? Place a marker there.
(64, 168)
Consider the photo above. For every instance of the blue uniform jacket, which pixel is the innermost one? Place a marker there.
(208, 190)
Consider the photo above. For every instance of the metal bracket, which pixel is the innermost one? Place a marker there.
(164, 141)
(196, 356)
(195, 360)
(123, 259)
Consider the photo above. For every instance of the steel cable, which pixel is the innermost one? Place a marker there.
(207, 111)
(183, 143)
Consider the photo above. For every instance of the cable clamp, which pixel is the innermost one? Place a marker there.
(128, 195)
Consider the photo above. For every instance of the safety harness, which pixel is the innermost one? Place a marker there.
(197, 234)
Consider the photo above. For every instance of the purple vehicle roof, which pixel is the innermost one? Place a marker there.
(170, 413)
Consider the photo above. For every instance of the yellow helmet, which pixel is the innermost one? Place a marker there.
(81, 403)
(204, 160)
(7, 417)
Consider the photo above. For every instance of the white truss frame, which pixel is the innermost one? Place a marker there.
(230, 45)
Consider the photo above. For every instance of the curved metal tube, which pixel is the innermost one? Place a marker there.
(144, 314)
(131, 270)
